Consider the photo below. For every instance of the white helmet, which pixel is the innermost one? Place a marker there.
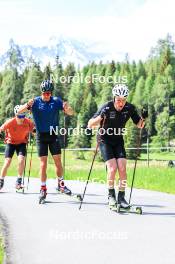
(120, 90)
(16, 108)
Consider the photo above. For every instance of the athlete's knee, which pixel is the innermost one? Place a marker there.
(122, 169)
(21, 159)
(7, 162)
(112, 169)
(43, 163)
(57, 160)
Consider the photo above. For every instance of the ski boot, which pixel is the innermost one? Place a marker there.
(123, 205)
(1, 183)
(43, 194)
(19, 187)
(112, 199)
(62, 188)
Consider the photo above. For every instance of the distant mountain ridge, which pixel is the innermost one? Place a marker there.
(68, 50)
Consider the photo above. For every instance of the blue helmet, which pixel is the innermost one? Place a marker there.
(46, 86)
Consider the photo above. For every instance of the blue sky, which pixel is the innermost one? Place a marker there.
(131, 26)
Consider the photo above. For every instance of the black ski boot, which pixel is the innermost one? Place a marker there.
(19, 185)
(1, 183)
(43, 194)
(121, 200)
(112, 198)
(62, 188)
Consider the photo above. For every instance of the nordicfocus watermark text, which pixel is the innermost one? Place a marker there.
(93, 78)
(77, 131)
(88, 235)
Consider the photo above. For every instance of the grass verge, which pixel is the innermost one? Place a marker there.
(157, 176)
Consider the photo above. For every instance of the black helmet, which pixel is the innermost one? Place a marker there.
(46, 86)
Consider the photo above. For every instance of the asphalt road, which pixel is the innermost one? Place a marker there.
(57, 232)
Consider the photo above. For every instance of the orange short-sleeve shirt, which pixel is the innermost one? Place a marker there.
(17, 133)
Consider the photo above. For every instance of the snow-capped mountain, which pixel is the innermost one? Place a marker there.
(68, 50)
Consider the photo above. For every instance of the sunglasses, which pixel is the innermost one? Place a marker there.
(21, 116)
(46, 93)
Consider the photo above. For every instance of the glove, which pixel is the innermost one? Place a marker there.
(104, 112)
(29, 104)
(144, 113)
(34, 130)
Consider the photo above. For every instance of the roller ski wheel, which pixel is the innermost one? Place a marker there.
(42, 197)
(77, 196)
(112, 199)
(132, 209)
(139, 210)
(19, 186)
(1, 183)
(42, 200)
(20, 189)
(112, 203)
(113, 208)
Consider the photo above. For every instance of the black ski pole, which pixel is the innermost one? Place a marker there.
(144, 116)
(30, 164)
(24, 172)
(137, 155)
(96, 150)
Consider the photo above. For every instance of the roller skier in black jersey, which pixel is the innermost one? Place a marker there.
(116, 113)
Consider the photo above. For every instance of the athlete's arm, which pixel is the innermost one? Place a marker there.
(141, 123)
(137, 119)
(94, 122)
(5, 126)
(26, 106)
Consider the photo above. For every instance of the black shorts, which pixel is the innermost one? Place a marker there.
(11, 148)
(45, 141)
(112, 151)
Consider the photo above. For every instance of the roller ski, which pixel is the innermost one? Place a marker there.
(132, 209)
(43, 194)
(112, 200)
(124, 207)
(1, 183)
(62, 189)
(19, 186)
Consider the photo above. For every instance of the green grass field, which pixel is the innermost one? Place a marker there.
(157, 177)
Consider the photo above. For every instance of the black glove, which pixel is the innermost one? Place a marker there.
(104, 112)
(34, 130)
(144, 113)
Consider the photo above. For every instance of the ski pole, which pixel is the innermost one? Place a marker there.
(144, 116)
(137, 155)
(30, 164)
(23, 178)
(96, 150)
(64, 146)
